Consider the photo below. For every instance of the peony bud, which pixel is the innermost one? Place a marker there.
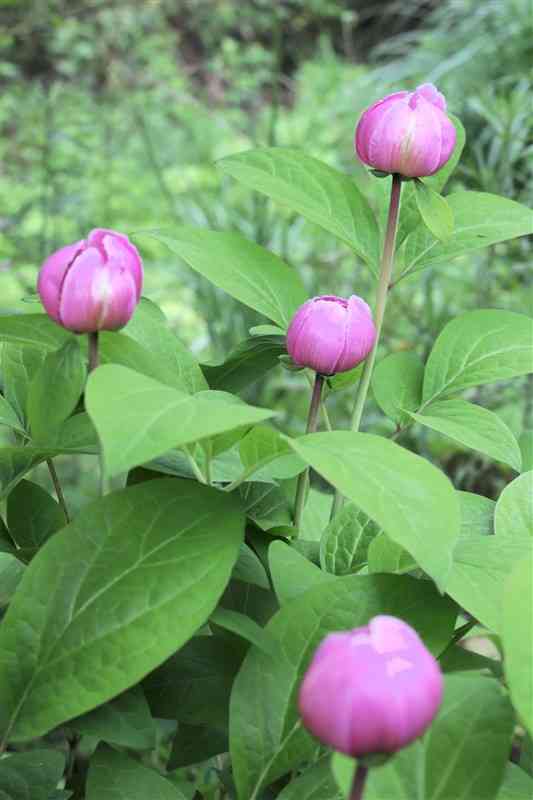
(372, 690)
(331, 334)
(94, 284)
(407, 132)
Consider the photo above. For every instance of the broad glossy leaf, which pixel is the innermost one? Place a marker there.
(266, 738)
(138, 418)
(126, 583)
(517, 638)
(15, 462)
(125, 721)
(481, 220)
(32, 517)
(243, 269)
(267, 505)
(474, 427)
(345, 541)
(116, 348)
(476, 348)
(54, 392)
(246, 364)
(11, 572)
(316, 783)
(245, 627)
(249, 569)
(388, 483)
(477, 514)
(115, 776)
(514, 509)
(385, 555)
(481, 565)
(291, 572)
(9, 417)
(397, 385)
(516, 785)
(266, 455)
(30, 776)
(20, 364)
(526, 446)
(315, 190)
(37, 330)
(435, 211)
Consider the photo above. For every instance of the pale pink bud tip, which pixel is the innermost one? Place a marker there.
(371, 690)
(93, 284)
(330, 334)
(408, 133)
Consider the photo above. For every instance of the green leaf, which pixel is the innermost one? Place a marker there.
(311, 188)
(244, 627)
(517, 785)
(435, 211)
(193, 686)
(20, 364)
(266, 505)
(463, 756)
(439, 179)
(480, 220)
(316, 783)
(345, 541)
(481, 565)
(125, 721)
(477, 514)
(476, 348)
(194, 744)
(32, 517)
(149, 328)
(249, 568)
(526, 446)
(291, 572)
(246, 364)
(474, 427)
(114, 776)
(514, 509)
(54, 392)
(37, 330)
(15, 462)
(11, 572)
(387, 483)
(9, 417)
(517, 638)
(30, 776)
(126, 583)
(246, 271)
(266, 455)
(384, 555)
(397, 385)
(138, 418)
(266, 738)
(116, 348)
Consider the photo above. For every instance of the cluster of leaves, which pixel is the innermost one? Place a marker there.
(168, 625)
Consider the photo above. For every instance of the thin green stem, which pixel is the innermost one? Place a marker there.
(194, 466)
(94, 355)
(312, 423)
(385, 278)
(57, 487)
(359, 780)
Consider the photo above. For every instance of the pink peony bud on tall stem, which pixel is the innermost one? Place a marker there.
(370, 691)
(408, 133)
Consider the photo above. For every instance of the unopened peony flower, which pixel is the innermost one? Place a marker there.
(371, 690)
(408, 133)
(94, 284)
(331, 334)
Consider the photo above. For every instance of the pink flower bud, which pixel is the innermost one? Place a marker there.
(406, 132)
(94, 284)
(371, 690)
(331, 334)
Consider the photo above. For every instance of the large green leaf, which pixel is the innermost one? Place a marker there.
(291, 572)
(266, 738)
(517, 637)
(408, 497)
(110, 597)
(9, 417)
(32, 517)
(481, 565)
(480, 220)
(266, 455)
(385, 555)
(246, 271)
(316, 783)
(37, 330)
(397, 385)
(115, 776)
(125, 721)
(473, 426)
(30, 776)
(477, 514)
(15, 462)
(315, 190)
(463, 756)
(514, 510)
(248, 362)
(478, 347)
(435, 211)
(11, 572)
(344, 543)
(20, 364)
(138, 418)
(516, 785)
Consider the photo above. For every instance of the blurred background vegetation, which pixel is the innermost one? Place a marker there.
(113, 113)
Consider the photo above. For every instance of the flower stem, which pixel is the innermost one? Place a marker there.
(312, 422)
(94, 357)
(359, 780)
(385, 277)
(57, 487)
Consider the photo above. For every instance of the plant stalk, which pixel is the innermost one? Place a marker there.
(385, 278)
(57, 487)
(359, 780)
(94, 356)
(312, 423)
